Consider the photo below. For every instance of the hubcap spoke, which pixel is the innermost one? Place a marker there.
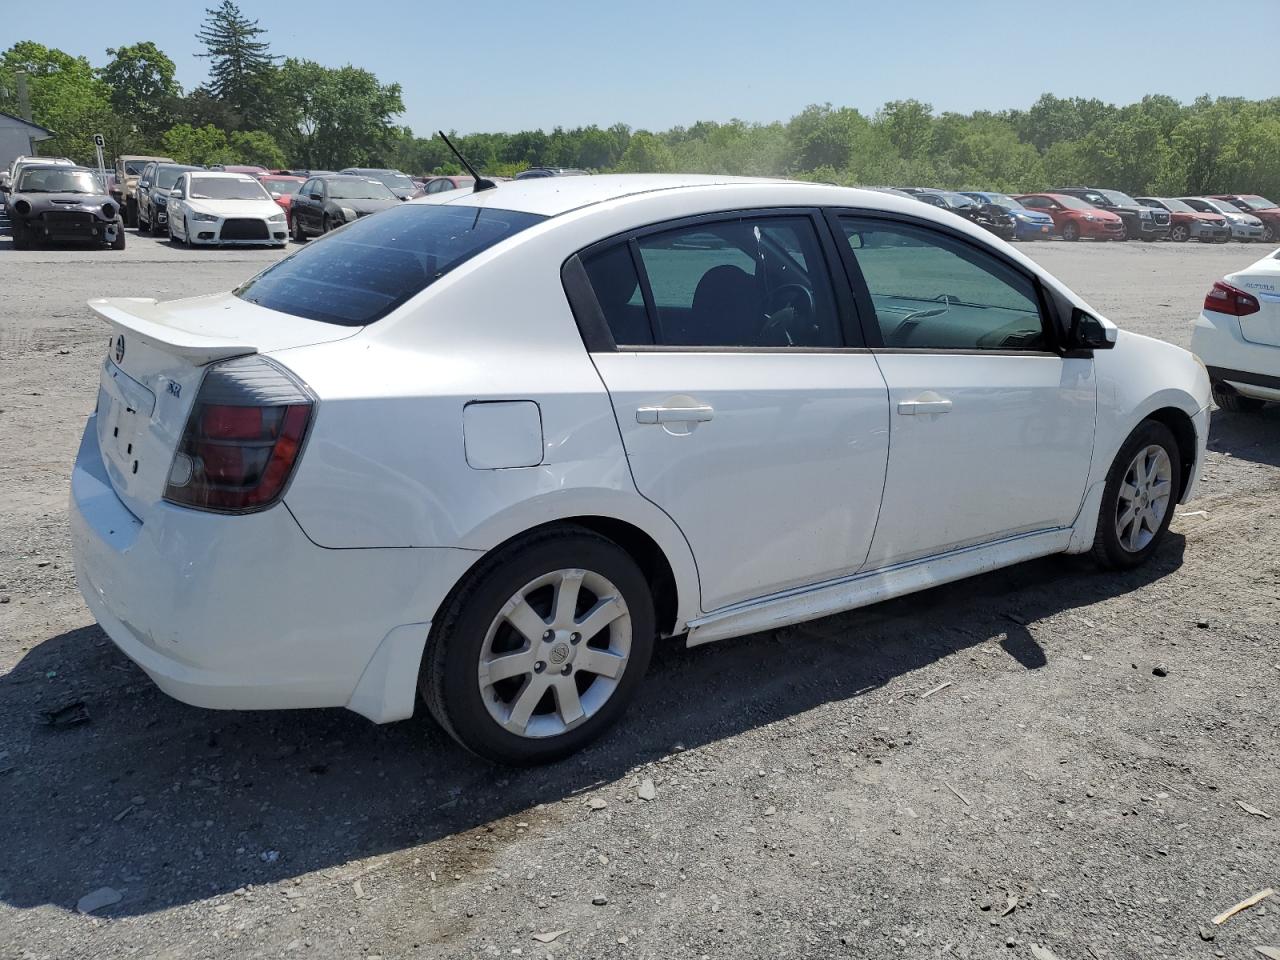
(567, 597)
(525, 702)
(567, 701)
(1128, 491)
(600, 662)
(606, 610)
(507, 666)
(525, 619)
(1161, 489)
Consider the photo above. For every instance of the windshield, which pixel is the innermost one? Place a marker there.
(365, 270)
(359, 189)
(1118, 198)
(282, 186)
(1000, 200)
(133, 168)
(397, 181)
(957, 200)
(1177, 206)
(1075, 203)
(58, 181)
(1257, 203)
(224, 188)
(166, 177)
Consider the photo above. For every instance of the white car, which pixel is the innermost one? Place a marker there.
(492, 444)
(1245, 227)
(1237, 336)
(210, 207)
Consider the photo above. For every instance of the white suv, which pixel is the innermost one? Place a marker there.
(1237, 335)
(491, 445)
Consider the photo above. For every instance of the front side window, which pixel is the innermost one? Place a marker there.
(368, 268)
(750, 282)
(931, 291)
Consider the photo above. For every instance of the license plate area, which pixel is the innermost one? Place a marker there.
(125, 407)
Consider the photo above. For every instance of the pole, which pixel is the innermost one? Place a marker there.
(98, 143)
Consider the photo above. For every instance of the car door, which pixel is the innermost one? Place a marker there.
(302, 202)
(142, 193)
(991, 426)
(178, 215)
(749, 409)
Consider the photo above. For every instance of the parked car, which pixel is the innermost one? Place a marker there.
(1188, 223)
(1140, 222)
(325, 203)
(129, 168)
(535, 173)
(62, 202)
(445, 184)
(1245, 227)
(1073, 218)
(1237, 336)
(283, 189)
(892, 191)
(1260, 207)
(401, 184)
(218, 208)
(455, 390)
(986, 215)
(1028, 224)
(9, 179)
(154, 185)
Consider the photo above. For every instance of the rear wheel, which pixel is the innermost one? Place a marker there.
(1071, 232)
(1228, 399)
(1179, 233)
(1143, 485)
(541, 649)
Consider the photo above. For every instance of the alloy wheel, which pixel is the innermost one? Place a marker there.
(555, 653)
(1144, 498)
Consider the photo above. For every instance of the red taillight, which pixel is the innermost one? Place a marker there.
(1224, 298)
(242, 438)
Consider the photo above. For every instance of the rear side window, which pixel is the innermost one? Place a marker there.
(364, 271)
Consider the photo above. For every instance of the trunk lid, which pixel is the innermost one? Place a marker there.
(156, 358)
(1262, 280)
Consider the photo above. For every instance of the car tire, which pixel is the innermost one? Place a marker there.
(119, 242)
(21, 236)
(1228, 399)
(299, 235)
(325, 226)
(1071, 232)
(1179, 233)
(474, 626)
(131, 213)
(156, 229)
(1138, 501)
(144, 226)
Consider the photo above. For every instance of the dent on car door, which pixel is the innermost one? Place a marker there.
(991, 428)
(744, 413)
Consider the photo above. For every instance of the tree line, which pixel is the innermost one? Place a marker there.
(257, 107)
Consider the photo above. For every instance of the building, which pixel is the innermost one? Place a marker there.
(18, 138)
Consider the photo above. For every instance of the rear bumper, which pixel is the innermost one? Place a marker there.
(1251, 368)
(244, 612)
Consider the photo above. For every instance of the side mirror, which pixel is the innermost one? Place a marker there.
(176, 194)
(316, 196)
(1092, 333)
(274, 195)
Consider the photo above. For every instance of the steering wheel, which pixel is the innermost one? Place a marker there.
(786, 308)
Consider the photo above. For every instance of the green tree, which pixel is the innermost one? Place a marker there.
(241, 67)
(338, 116)
(202, 145)
(823, 136)
(646, 154)
(256, 147)
(142, 88)
(909, 126)
(66, 96)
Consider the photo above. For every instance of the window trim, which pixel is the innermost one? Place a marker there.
(1051, 320)
(594, 328)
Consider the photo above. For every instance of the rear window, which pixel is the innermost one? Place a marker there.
(362, 272)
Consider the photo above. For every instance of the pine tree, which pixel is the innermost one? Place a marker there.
(241, 65)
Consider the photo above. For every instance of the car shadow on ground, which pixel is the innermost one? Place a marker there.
(171, 804)
(1253, 436)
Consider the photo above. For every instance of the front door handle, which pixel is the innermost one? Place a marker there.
(925, 403)
(699, 414)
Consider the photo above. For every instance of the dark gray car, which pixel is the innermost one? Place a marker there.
(154, 184)
(63, 203)
(324, 203)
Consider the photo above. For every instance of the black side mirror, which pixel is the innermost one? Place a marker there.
(1091, 333)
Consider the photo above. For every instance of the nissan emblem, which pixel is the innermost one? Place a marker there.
(120, 348)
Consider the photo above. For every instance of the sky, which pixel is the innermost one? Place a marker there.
(660, 63)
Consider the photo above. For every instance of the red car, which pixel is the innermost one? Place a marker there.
(443, 184)
(282, 190)
(1260, 207)
(1188, 223)
(1073, 218)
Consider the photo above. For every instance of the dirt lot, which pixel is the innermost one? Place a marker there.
(819, 791)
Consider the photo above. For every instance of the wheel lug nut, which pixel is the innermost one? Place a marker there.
(539, 667)
(548, 635)
(575, 637)
(566, 670)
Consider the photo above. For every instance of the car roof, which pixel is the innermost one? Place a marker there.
(223, 175)
(552, 196)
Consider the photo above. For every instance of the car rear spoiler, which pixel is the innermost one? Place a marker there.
(145, 319)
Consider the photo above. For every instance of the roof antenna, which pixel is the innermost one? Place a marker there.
(480, 182)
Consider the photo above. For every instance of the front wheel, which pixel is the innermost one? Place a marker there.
(325, 225)
(131, 213)
(541, 648)
(298, 235)
(119, 241)
(1143, 485)
(1071, 232)
(1180, 233)
(21, 236)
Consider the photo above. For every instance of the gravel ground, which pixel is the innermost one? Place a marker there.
(1045, 756)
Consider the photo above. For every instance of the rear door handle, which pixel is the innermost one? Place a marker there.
(700, 414)
(929, 403)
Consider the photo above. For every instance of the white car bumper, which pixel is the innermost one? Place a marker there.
(1253, 369)
(238, 232)
(245, 612)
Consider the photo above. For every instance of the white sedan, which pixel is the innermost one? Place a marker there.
(208, 207)
(1237, 335)
(490, 446)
